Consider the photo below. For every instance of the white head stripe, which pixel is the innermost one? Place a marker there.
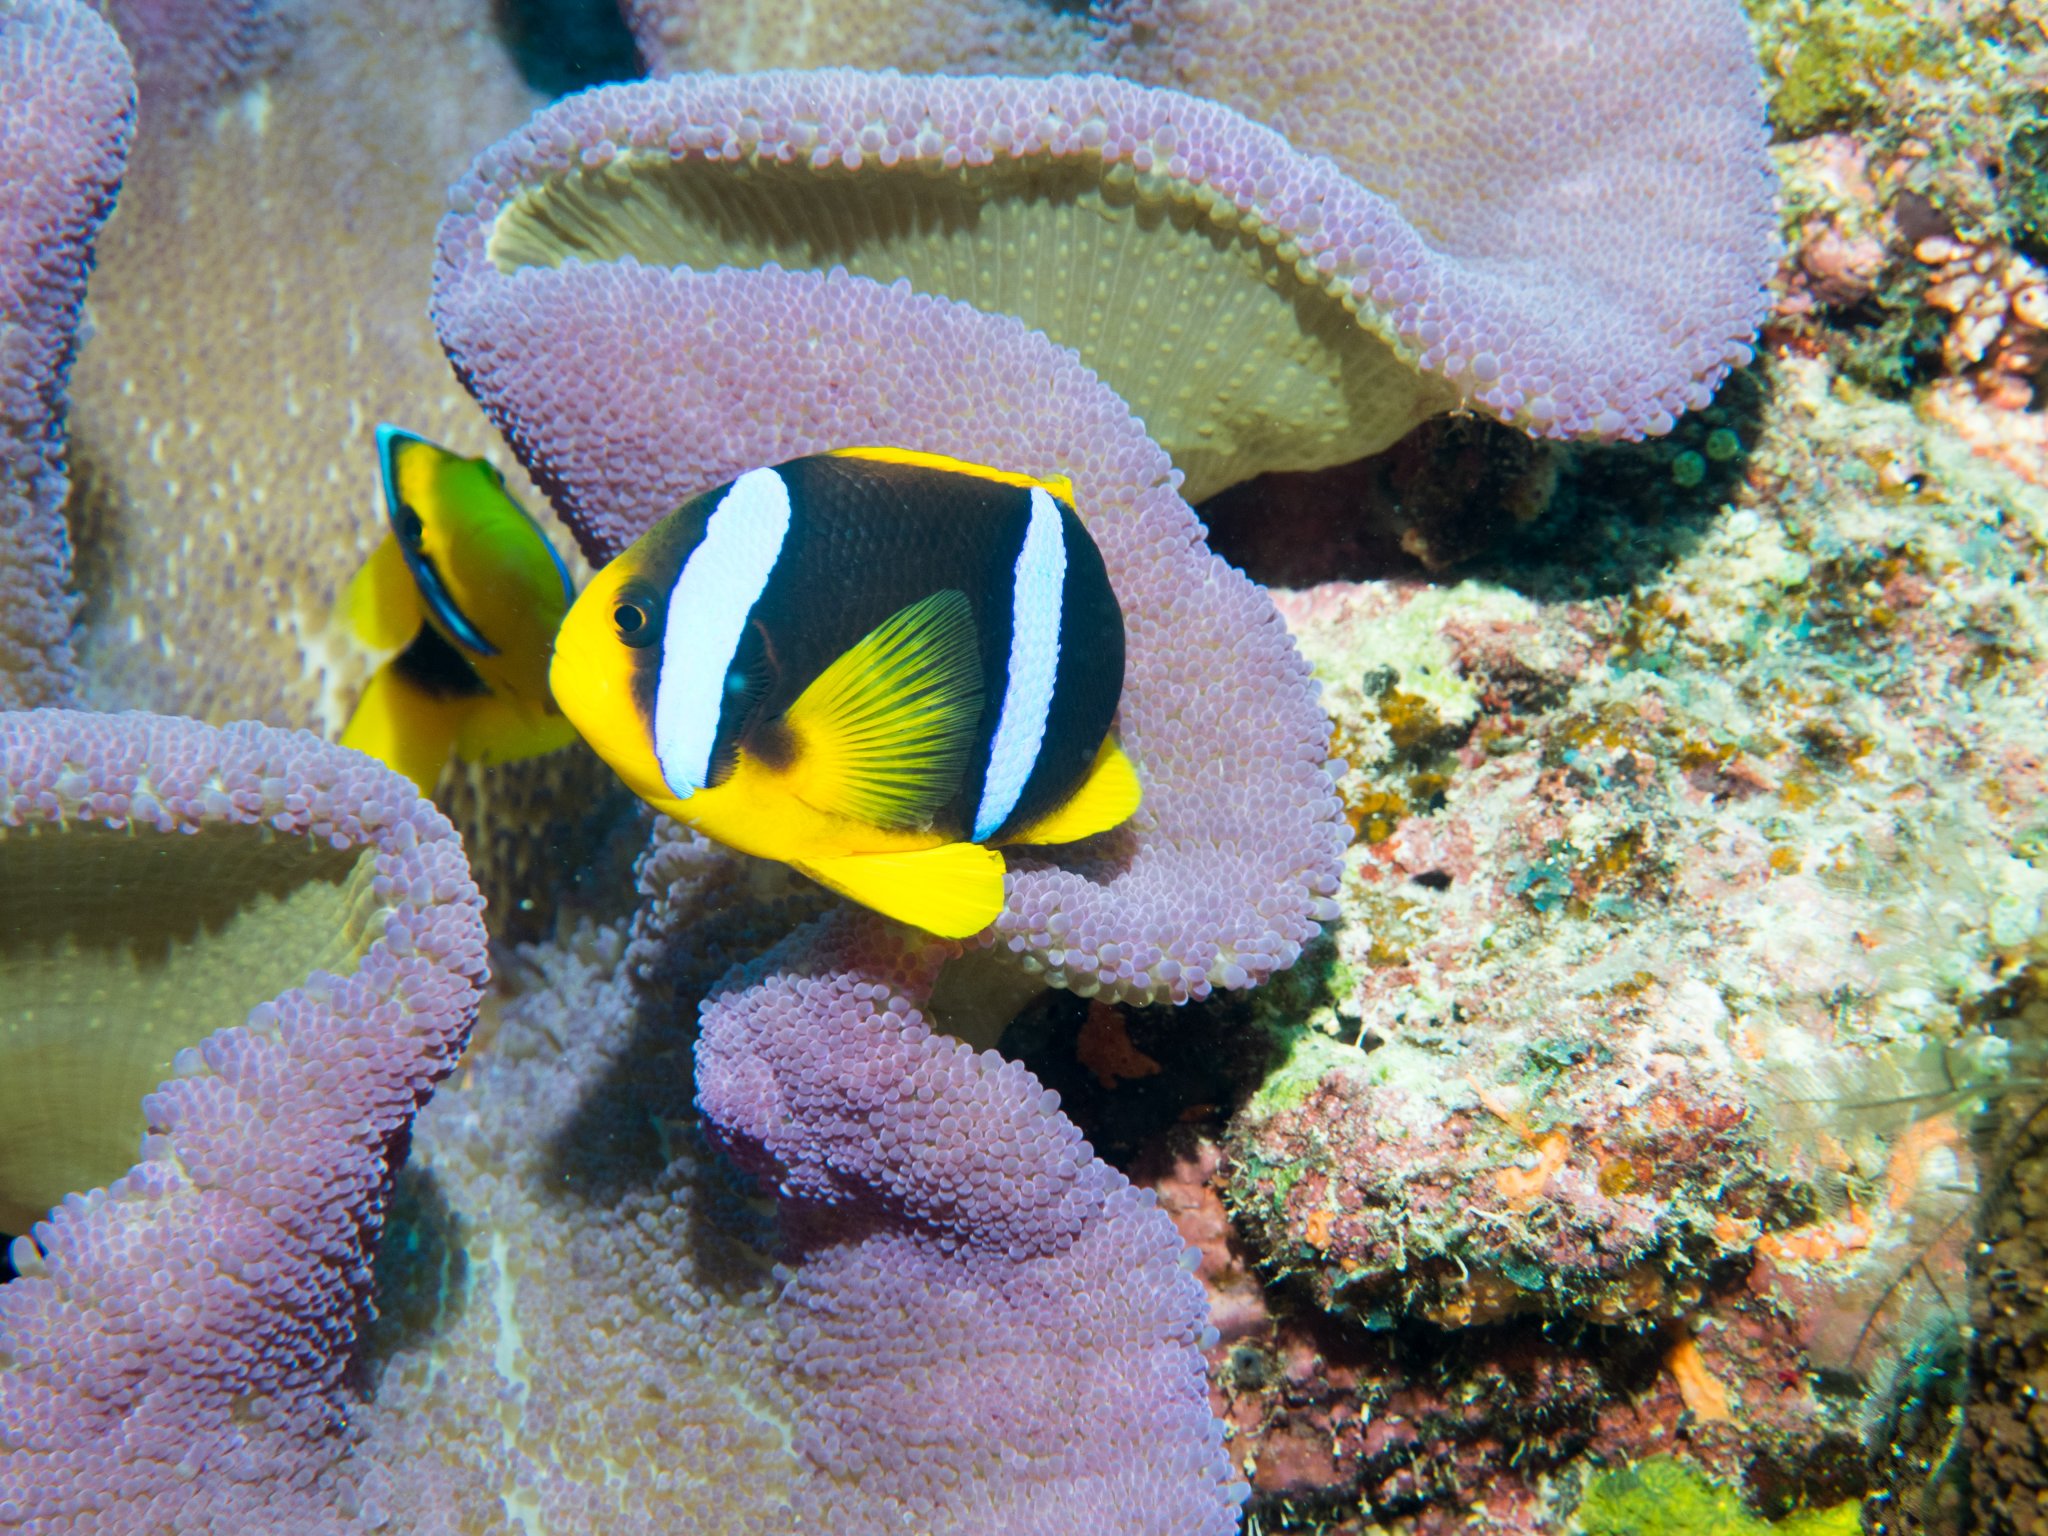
(1034, 663)
(707, 614)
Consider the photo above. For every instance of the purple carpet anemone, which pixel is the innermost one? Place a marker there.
(910, 1287)
(237, 962)
(67, 103)
(920, 1298)
(942, 1189)
(1260, 307)
(192, 54)
(1617, 145)
(626, 388)
(1011, 37)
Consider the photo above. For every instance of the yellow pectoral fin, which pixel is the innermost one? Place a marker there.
(405, 728)
(883, 732)
(496, 730)
(1106, 798)
(382, 602)
(954, 890)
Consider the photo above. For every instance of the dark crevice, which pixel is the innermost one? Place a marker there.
(422, 1273)
(569, 45)
(1129, 1076)
(1466, 496)
(1453, 488)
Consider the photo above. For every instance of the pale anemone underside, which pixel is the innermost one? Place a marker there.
(123, 947)
(1236, 359)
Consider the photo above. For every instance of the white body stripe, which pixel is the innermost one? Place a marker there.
(707, 614)
(1034, 663)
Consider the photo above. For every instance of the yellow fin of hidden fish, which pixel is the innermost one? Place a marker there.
(882, 734)
(382, 602)
(403, 726)
(1105, 798)
(953, 890)
(500, 730)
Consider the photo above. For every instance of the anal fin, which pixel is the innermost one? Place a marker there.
(953, 890)
(497, 730)
(1105, 798)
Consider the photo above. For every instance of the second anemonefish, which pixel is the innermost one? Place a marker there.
(875, 665)
(469, 592)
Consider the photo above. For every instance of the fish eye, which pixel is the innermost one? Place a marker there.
(410, 528)
(633, 619)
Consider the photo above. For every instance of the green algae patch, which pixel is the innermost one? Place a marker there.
(2026, 183)
(1827, 61)
(1666, 1497)
(1408, 641)
(118, 950)
(1311, 1056)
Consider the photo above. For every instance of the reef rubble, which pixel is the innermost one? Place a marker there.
(1700, 790)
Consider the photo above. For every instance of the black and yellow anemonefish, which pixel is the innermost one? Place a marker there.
(468, 592)
(875, 665)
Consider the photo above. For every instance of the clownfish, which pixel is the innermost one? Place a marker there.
(469, 592)
(875, 665)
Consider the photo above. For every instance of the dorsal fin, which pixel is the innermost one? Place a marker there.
(1058, 485)
(882, 734)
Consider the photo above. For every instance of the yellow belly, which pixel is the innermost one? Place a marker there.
(758, 810)
(953, 889)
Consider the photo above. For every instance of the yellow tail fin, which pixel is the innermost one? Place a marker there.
(953, 890)
(405, 728)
